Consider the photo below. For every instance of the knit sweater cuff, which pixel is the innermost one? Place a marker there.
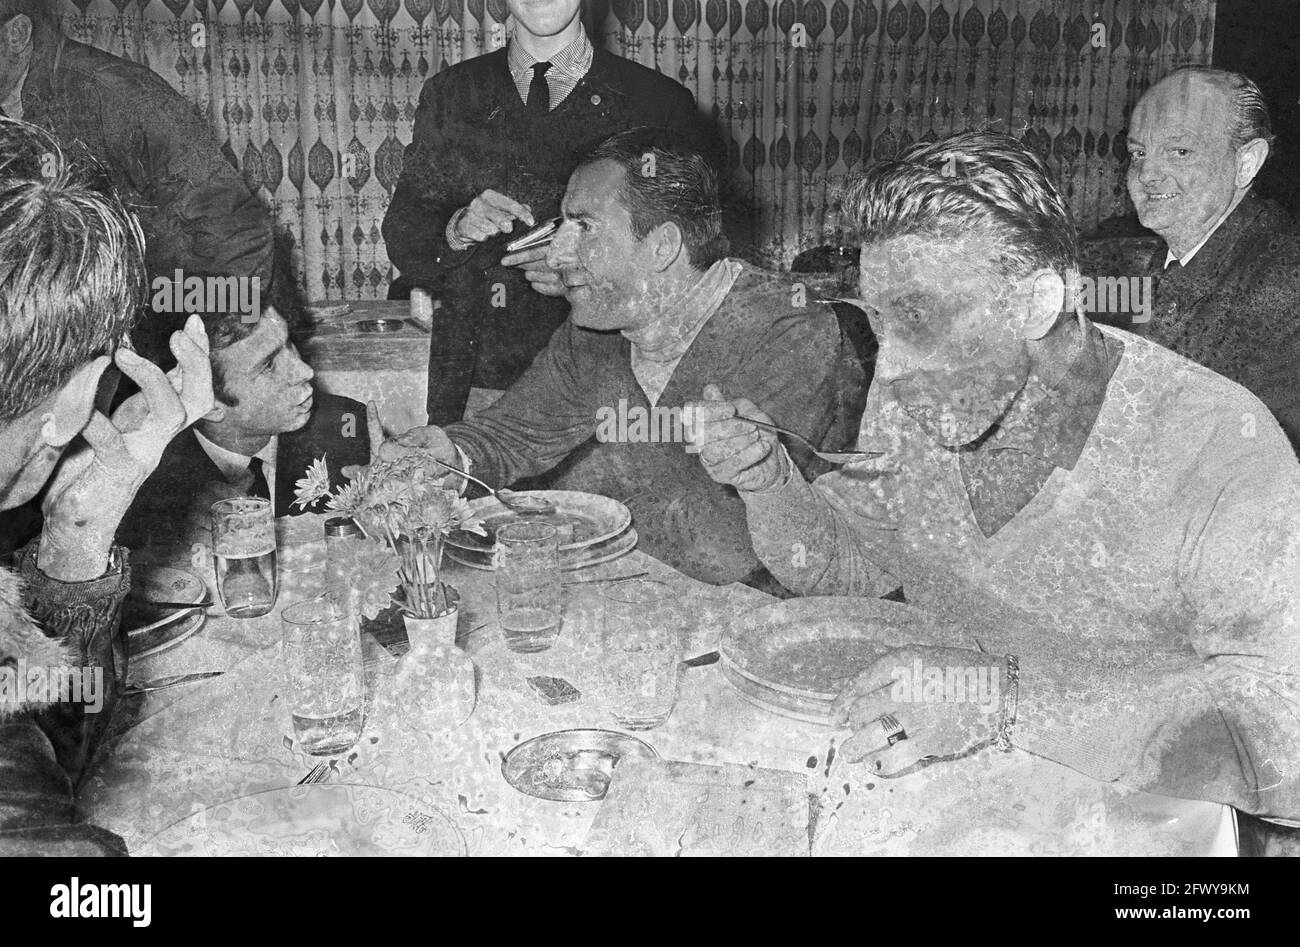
(73, 608)
(1055, 723)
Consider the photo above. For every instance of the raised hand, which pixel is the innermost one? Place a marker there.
(94, 485)
(490, 214)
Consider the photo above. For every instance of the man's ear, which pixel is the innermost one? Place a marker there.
(1250, 158)
(1043, 300)
(668, 245)
(69, 412)
(18, 34)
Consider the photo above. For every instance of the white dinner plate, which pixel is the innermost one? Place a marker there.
(794, 657)
(152, 630)
(570, 559)
(589, 517)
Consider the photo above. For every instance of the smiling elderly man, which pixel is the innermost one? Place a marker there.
(656, 310)
(1114, 549)
(1228, 291)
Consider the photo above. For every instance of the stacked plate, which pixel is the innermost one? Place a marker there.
(154, 628)
(593, 529)
(794, 657)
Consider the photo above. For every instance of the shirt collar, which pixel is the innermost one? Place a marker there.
(231, 464)
(573, 61)
(685, 315)
(1051, 420)
(1184, 260)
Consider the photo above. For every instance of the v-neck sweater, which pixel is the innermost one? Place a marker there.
(1152, 593)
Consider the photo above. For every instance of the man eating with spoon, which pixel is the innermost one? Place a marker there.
(1112, 528)
(657, 309)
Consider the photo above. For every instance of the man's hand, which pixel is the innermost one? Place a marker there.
(533, 262)
(947, 700)
(733, 451)
(94, 486)
(428, 439)
(490, 214)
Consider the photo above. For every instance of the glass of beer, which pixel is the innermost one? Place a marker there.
(529, 595)
(322, 655)
(642, 638)
(243, 555)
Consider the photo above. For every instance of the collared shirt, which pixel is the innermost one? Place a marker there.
(234, 466)
(13, 105)
(568, 66)
(657, 350)
(1044, 428)
(1184, 260)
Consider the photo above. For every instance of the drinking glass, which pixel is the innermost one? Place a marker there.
(529, 595)
(243, 554)
(642, 640)
(322, 655)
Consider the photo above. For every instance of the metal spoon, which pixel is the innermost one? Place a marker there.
(163, 683)
(522, 504)
(831, 457)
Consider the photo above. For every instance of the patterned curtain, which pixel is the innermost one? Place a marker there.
(315, 98)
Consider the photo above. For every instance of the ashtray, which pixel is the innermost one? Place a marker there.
(380, 325)
(571, 765)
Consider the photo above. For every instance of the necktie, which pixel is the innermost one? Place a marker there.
(260, 487)
(539, 91)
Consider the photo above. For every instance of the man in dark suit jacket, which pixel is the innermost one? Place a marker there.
(266, 429)
(495, 140)
(1227, 281)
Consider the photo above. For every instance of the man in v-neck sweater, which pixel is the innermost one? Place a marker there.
(495, 140)
(1113, 530)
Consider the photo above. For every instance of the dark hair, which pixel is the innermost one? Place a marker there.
(224, 330)
(71, 267)
(666, 179)
(1250, 111)
(972, 182)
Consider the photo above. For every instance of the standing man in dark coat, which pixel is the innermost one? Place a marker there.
(1228, 278)
(197, 213)
(495, 140)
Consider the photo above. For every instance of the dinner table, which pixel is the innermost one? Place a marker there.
(189, 753)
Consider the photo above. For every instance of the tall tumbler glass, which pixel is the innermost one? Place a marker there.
(642, 638)
(322, 655)
(529, 594)
(243, 554)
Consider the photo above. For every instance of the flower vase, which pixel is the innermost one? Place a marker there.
(421, 561)
(435, 677)
(440, 630)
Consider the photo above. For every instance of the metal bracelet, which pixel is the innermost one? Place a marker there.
(1010, 702)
